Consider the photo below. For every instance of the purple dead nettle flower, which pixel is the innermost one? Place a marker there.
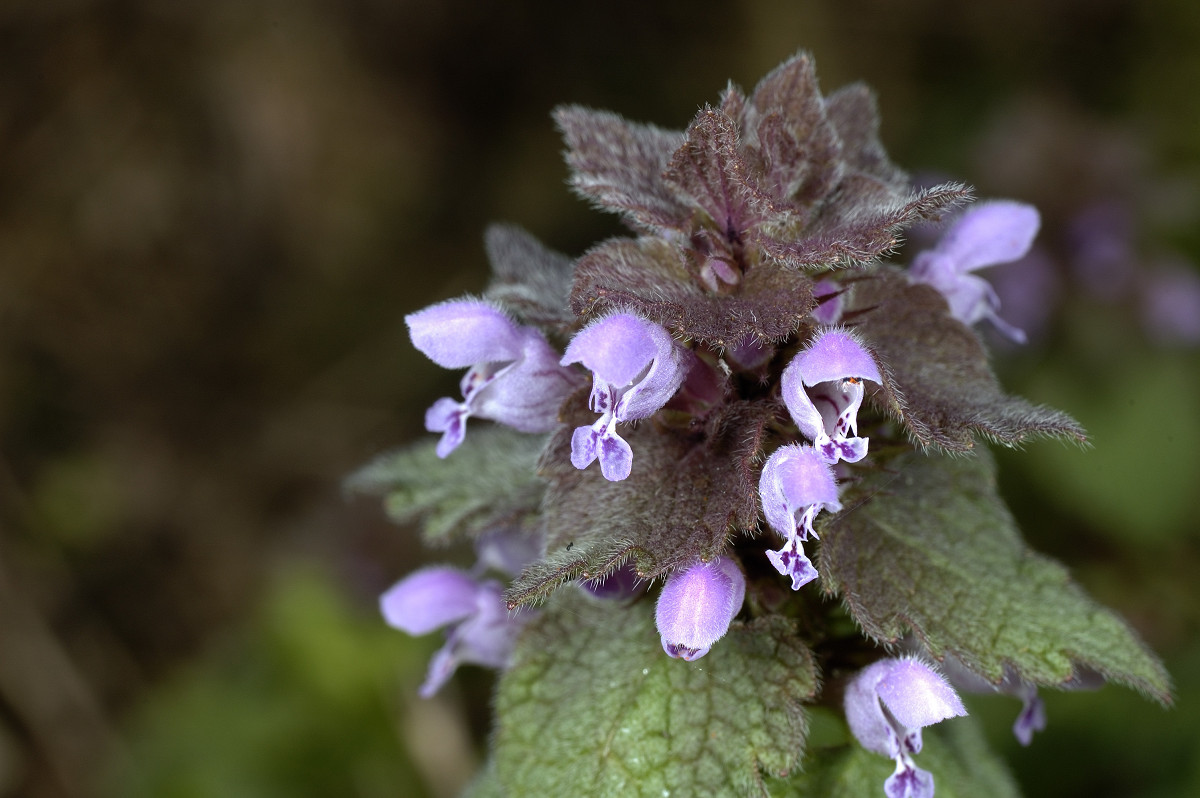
(637, 367)
(823, 389)
(481, 630)
(796, 479)
(513, 374)
(988, 234)
(887, 704)
(696, 606)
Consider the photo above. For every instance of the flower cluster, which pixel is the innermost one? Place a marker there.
(743, 362)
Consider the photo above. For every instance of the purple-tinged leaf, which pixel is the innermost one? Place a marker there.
(710, 169)
(852, 111)
(619, 166)
(940, 366)
(529, 279)
(651, 276)
(688, 492)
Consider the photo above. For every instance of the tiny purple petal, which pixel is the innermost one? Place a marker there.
(791, 561)
(584, 446)
(828, 294)
(1032, 717)
(909, 781)
(697, 605)
(449, 418)
(486, 637)
(463, 332)
(616, 458)
(429, 599)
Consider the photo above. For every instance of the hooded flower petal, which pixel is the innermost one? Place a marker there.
(482, 630)
(636, 368)
(696, 606)
(514, 376)
(796, 480)
(887, 704)
(988, 234)
(823, 389)
(429, 599)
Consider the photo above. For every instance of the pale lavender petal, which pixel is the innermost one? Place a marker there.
(828, 294)
(429, 599)
(835, 354)
(464, 332)
(617, 348)
(865, 715)
(584, 445)
(917, 695)
(616, 458)
(792, 562)
(449, 418)
(909, 781)
(697, 605)
(990, 233)
(793, 479)
(527, 394)
(487, 637)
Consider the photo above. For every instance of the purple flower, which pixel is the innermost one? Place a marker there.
(796, 479)
(887, 704)
(823, 389)
(988, 234)
(481, 629)
(828, 294)
(696, 605)
(637, 367)
(1171, 304)
(513, 376)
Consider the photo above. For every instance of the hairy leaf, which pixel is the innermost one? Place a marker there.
(954, 751)
(687, 493)
(710, 169)
(941, 368)
(853, 113)
(529, 279)
(489, 481)
(651, 276)
(929, 546)
(592, 706)
(619, 165)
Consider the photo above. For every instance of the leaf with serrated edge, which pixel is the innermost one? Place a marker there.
(592, 706)
(928, 545)
(941, 368)
(618, 165)
(489, 481)
(529, 279)
(650, 276)
(687, 494)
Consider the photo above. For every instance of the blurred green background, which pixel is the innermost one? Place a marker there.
(214, 214)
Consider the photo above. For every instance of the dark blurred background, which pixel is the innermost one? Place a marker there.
(215, 213)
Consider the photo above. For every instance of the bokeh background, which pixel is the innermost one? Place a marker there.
(215, 213)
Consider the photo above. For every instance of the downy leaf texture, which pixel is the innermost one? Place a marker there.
(929, 548)
(592, 706)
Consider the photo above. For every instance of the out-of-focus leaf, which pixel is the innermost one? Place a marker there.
(592, 706)
(929, 546)
(489, 481)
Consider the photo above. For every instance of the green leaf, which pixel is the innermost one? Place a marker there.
(688, 492)
(490, 480)
(954, 752)
(929, 545)
(592, 706)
